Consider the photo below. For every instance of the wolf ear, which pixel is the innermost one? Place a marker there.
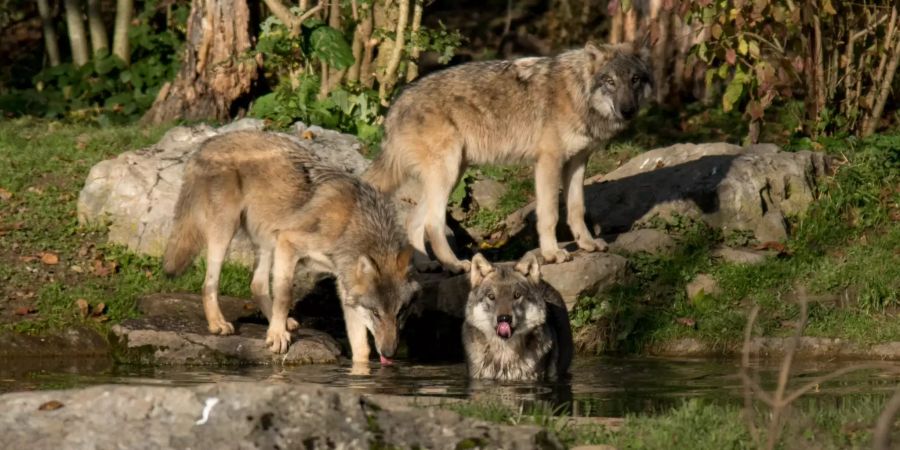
(598, 54)
(530, 267)
(365, 268)
(643, 44)
(403, 259)
(481, 268)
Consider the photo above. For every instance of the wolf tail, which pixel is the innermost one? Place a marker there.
(385, 174)
(186, 237)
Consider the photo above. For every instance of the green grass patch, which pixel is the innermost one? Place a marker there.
(43, 165)
(695, 424)
(843, 259)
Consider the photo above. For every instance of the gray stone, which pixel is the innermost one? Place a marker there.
(646, 240)
(242, 415)
(173, 330)
(244, 124)
(729, 187)
(702, 284)
(740, 255)
(806, 347)
(487, 193)
(135, 193)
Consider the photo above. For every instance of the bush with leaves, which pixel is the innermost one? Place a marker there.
(839, 57)
(338, 67)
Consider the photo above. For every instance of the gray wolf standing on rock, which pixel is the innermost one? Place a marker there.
(550, 111)
(516, 327)
(293, 207)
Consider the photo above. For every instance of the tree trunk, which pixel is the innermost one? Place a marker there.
(99, 39)
(77, 34)
(216, 72)
(124, 10)
(51, 42)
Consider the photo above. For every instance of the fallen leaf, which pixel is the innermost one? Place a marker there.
(103, 268)
(50, 406)
(24, 310)
(83, 307)
(772, 245)
(35, 190)
(97, 310)
(5, 195)
(686, 321)
(308, 135)
(49, 258)
(660, 164)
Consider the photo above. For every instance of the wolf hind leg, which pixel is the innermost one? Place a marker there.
(436, 192)
(218, 239)
(260, 285)
(573, 191)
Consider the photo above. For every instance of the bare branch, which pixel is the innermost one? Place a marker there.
(882, 435)
(390, 72)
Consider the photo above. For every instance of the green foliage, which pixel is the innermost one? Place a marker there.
(350, 110)
(440, 40)
(106, 89)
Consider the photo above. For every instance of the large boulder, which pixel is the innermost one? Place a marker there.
(727, 186)
(243, 415)
(135, 193)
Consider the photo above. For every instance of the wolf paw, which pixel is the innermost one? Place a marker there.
(428, 266)
(463, 266)
(555, 256)
(278, 341)
(592, 245)
(292, 324)
(221, 327)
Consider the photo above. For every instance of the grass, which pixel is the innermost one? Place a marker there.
(43, 165)
(843, 258)
(812, 424)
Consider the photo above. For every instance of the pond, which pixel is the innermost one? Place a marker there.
(599, 386)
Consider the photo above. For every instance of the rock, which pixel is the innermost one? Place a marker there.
(729, 187)
(242, 415)
(646, 240)
(740, 255)
(815, 348)
(173, 330)
(487, 193)
(135, 193)
(76, 341)
(585, 275)
(702, 284)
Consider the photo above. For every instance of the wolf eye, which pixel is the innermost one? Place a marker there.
(608, 80)
(636, 79)
(517, 295)
(376, 314)
(491, 295)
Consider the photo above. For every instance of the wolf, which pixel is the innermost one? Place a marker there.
(551, 111)
(293, 207)
(516, 326)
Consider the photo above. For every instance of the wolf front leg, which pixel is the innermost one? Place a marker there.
(278, 338)
(573, 188)
(260, 284)
(356, 334)
(546, 183)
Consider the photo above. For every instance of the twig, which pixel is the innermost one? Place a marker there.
(885, 89)
(390, 72)
(882, 435)
(412, 68)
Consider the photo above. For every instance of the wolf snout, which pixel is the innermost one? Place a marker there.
(504, 326)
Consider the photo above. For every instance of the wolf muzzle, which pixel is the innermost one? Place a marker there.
(504, 326)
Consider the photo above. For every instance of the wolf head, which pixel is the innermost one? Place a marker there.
(381, 293)
(503, 300)
(621, 79)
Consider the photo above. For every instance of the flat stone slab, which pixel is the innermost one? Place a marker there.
(173, 330)
(242, 415)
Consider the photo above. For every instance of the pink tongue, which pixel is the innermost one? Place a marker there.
(504, 330)
(385, 361)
